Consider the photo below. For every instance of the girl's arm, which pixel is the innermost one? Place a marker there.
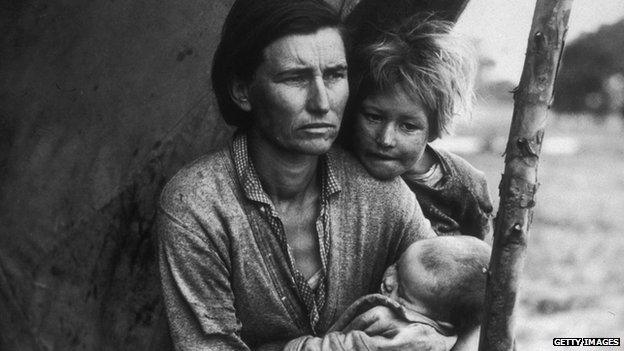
(468, 341)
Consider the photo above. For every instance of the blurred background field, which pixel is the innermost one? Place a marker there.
(573, 280)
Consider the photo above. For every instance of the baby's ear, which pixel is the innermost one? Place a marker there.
(390, 281)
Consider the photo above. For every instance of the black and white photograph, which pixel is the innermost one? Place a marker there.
(312, 175)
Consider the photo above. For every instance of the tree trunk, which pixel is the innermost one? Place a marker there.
(519, 182)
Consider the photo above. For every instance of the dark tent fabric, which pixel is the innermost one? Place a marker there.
(100, 103)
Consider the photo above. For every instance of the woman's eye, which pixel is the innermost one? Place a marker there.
(295, 79)
(335, 75)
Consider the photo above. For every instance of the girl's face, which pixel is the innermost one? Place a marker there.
(391, 133)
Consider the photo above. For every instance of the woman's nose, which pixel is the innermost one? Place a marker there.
(318, 99)
(385, 137)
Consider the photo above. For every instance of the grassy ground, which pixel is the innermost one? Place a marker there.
(573, 281)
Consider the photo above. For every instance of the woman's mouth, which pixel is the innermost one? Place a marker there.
(318, 128)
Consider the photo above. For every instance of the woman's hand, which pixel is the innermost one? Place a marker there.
(378, 321)
(388, 332)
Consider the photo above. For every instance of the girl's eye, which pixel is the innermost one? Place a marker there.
(372, 117)
(410, 127)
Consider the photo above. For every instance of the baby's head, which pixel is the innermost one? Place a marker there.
(442, 278)
(407, 85)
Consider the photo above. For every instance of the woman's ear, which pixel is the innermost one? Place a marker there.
(239, 92)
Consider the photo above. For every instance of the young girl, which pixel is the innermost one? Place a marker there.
(409, 84)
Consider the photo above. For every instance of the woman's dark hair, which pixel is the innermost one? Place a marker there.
(249, 28)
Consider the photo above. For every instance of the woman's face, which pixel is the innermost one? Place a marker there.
(391, 131)
(298, 93)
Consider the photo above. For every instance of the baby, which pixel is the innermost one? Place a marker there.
(437, 282)
(436, 290)
(408, 85)
(442, 278)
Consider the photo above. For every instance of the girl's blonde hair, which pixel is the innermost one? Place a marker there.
(428, 60)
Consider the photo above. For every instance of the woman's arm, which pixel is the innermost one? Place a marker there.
(199, 300)
(377, 329)
(196, 289)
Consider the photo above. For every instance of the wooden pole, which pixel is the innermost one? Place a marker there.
(518, 185)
